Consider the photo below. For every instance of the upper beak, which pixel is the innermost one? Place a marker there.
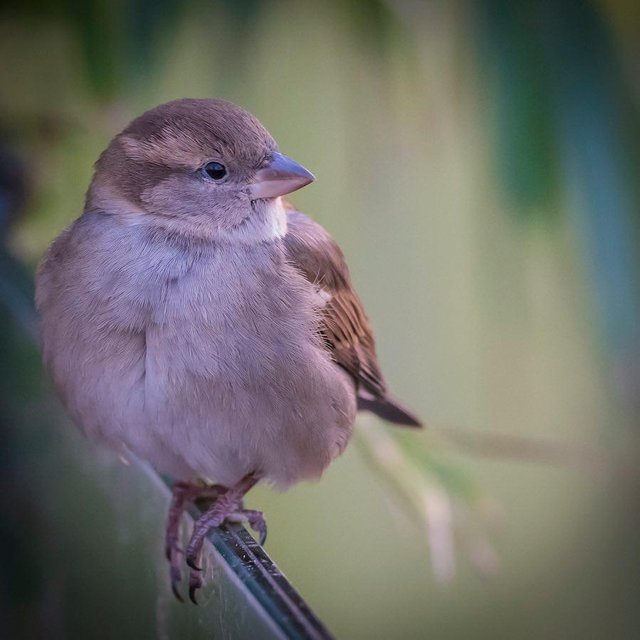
(279, 177)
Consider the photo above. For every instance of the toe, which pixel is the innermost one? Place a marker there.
(176, 592)
(258, 523)
(195, 583)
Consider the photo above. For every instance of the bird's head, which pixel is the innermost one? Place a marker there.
(200, 167)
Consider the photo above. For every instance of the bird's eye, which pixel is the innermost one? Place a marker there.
(215, 170)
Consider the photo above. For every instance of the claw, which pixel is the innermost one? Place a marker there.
(257, 523)
(176, 593)
(195, 582)
(174, 572)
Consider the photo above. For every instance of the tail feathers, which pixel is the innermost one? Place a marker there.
(389, 409)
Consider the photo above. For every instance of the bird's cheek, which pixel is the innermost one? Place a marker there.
(172, 197)
(164, 198)
(197, 208)
(229, 209)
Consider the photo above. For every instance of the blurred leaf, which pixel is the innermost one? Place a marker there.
(149, 26)
(588, 96)
(446, 500)
(96, 27)
(524, 122)
(372, 21)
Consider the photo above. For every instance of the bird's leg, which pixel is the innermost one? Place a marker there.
(228, 506)
(182, 494)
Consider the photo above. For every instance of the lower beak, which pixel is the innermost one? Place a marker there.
(279, 177)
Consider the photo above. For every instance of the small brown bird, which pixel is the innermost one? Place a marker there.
(194, 318)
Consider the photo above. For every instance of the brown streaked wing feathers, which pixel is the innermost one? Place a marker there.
(345, 327)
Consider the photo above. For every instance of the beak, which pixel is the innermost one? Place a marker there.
(279, 177)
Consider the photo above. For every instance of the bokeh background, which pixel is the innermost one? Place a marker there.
(478, 161)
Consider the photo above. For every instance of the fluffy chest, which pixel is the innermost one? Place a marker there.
(236, 313)
(204, 360)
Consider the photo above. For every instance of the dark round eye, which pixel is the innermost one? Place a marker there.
(215, 170)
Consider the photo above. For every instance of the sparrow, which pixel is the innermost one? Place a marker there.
(194, 318)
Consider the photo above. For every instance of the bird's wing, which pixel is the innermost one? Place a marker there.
(345, 327)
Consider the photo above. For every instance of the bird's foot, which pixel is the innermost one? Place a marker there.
(227, 506)
(183, 494)
(255, 519)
